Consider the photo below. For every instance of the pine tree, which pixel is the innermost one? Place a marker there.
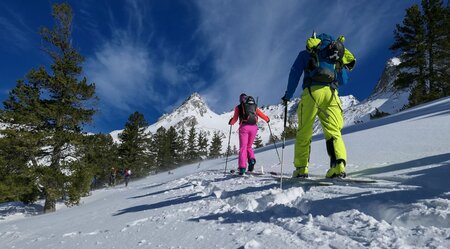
(216, 146)
(182, 144)
(173, 148)
(235, 151)
(273, 139)
(134, 147)
(192, 149)
(409, 39)
(202, 145)
(423, 47)
(160, 148)
(100, 153)
(444, 59)
(291, 130)
(434, 15)
(229, 151)
(258, 142)
(46, 111)
(16, 178)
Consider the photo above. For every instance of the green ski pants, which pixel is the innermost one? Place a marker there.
(323, 102)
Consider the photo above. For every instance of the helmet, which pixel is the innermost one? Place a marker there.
(242, 97)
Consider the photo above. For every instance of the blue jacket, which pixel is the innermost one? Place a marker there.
(297, 69)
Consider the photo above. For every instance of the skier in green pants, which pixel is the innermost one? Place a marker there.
(324, 63)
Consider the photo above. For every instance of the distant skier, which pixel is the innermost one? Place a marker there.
(324, 62)
(127, 174)
(94, 182)
(247, 112)
(112, 177)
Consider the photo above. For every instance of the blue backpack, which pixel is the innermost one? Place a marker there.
(325, 64)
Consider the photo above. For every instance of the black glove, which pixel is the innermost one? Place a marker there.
(229, 122)
(268, 120)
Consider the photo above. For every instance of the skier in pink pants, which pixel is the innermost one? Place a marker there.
(247, 112)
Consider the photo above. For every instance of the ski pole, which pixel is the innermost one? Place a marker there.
(228, 150)
(284, 142)
(273, 139)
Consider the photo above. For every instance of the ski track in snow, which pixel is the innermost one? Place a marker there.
(251, 212)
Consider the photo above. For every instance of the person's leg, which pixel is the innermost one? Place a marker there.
(306, 113)
(252, 130)
(332, 124)
(243, 141)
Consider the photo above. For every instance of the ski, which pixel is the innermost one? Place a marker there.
(302, 181)
(248, 173)
(351, 180)
(327, 180)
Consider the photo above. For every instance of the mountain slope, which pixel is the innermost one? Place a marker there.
(384, 97)
(195, 111)
(196, 206)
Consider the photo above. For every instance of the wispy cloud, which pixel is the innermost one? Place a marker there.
(256, 42)
(16, 33)
(247, 46)
(126, 69)
(122, 72)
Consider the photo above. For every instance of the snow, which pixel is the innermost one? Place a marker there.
(394, 61)
(196, 206)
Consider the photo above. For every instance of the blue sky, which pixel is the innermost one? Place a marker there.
(148, 56)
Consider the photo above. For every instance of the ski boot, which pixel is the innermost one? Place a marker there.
(251, 165)
(241, 171)
(300, 172)
(337, 170)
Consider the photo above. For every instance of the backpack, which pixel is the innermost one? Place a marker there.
(326, 58)
(247, 111)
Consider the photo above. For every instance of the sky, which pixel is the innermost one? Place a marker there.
(149, 56)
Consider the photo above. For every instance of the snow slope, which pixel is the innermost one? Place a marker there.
(196, 206)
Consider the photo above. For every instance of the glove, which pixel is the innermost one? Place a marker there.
(268, 120)
(229, 122)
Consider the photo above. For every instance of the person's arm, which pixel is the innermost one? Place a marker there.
(262, 115)
(296, 72)
(343, 77)
(235, 116)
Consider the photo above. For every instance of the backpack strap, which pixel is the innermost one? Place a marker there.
(317, 105)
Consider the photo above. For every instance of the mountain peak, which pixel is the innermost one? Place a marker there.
(192, 107)
(194, 102)
(194, 95)
(389, 75)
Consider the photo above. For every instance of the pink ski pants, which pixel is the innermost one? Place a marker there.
(247, 134)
